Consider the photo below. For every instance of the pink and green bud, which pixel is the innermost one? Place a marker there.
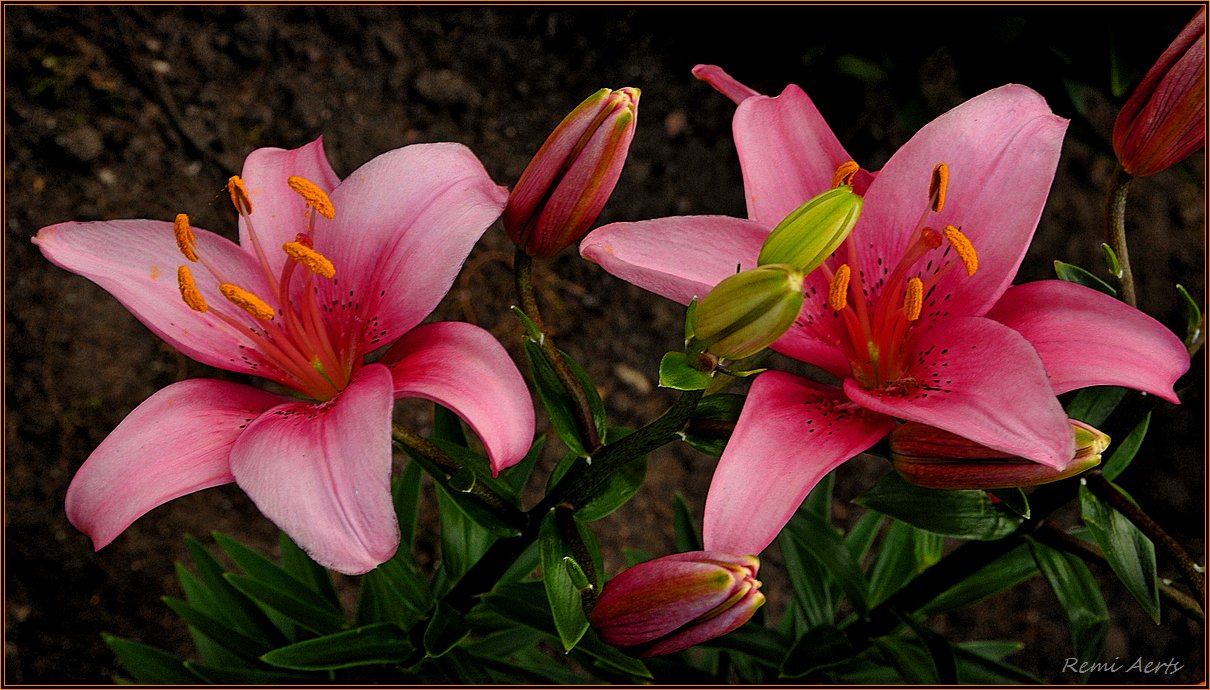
(1164, 120)
(936, 459)
(674, 602)
(813, 231)
(748, 311)
(570, 178)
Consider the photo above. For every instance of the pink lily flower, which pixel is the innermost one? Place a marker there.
(325, 272)
(914, 315)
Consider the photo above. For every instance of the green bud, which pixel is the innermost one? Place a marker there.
(748, 311)
(813, 231)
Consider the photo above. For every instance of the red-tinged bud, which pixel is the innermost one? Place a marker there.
(570, 178)
(1164, 120)
(936, 459)
(674, 602)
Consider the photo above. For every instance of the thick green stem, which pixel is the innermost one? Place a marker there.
(1115, 230)
(418, 445)
(1193, 573)
(523, 279)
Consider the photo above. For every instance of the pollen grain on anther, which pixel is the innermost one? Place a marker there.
(838, 291)
(186, 241)
(914, 299)
(189, 292)
(239, 195)
(962, 245)
(315, 197)
(247, 301)
(318, 263)
(938, 185)
(845, 173)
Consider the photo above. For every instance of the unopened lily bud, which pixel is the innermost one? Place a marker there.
(674, 602)
(813, 231)
(936, 459)
(747, 312)
(1164, 120)
(570, 178)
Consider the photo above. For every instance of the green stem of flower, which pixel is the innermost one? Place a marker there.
(1115, 230)
(1193, 573)
(1056, 538)
(575, 487)
(523, 280)
(438, 460)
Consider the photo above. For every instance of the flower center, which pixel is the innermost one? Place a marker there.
(292, 336)
(877, 328)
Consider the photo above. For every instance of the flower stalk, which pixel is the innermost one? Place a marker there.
(1115, 231)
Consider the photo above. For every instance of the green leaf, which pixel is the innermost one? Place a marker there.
(447, 426)
(1111, 261)
(272, 576)
(688, 536)
(754, 641)
(559, 406)
(910, 659)
(1003, 573)
(619, 488)
(815, 592)
(220, 599)
(819, 501)
(149, 665)
(1074, 274)
(825, 544)
(456, 488)
(1129, 552)
(822, 647)
(862, 536)
(562, 592)
(405, 494)
(979, 667)
(526, 603)
(960, 514)
(1094, 404)
(1078, 594)
(447, 628)
(678, 373)
(235, 642)
(1126, 450)
(382, 643)
(394, 592)
(296, 562)
(518, 475)
(895, 564)
(939, 650)
(717, 413)
(1014, 500)
(464, 540)
(927, 550)
(224, 675)
(290, 602)
(1193, 320)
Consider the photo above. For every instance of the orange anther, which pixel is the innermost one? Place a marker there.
(937, 186)
(838, 291)
(318, 263)
(315, 197)
(914, 299)
(962, 245)
(186, 241)
(239, 195)
(247, 301)
(189, 292)
(845, 174)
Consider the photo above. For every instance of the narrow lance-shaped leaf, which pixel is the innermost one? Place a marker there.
(1079, 596)
(1129, 552)
(1126, 450)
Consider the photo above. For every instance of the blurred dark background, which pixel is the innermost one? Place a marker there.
(143, 112)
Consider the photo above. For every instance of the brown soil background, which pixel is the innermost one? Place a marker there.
(143, 112)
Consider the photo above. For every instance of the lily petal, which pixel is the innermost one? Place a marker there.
(136, 261)
(406, 218)
(735, 616)
(790, 434)
(1002, 148)
(724, 83)
(278, 213)
(983, 381)
(1086, 338)
(462, 367)
(322, 473)
(177, 442)
(680, 257)
(787, 152)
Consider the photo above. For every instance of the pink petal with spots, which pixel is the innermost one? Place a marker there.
(462, 367)
(790, 434)
(1086, 338)
(983, 381)
(322, 473)
(680, 257)
(177, 442)
(278, 212)
(405, 223)
(1001, 148)
(136, 261)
